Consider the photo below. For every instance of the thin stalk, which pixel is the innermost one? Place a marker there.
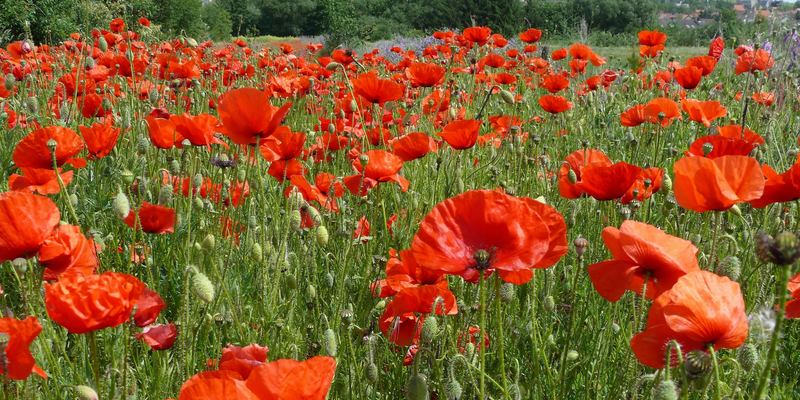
(498, 309)
(781, 290)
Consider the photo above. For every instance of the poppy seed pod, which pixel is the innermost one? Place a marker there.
(295, 220)
(665, 390)
(203, 287)
(372, 372)
(165, 195)
(581, 244)
(417, 387)
(697, 364)
(430, 329)
(257, 252)
(329, 342)
(121, 205)
(549, 303)
(507, 292)
(507, 97)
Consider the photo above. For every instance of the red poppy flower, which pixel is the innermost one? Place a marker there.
(152, 218)
(283, 169)
(247, 115)
(39, 180)
(700, 310)
(67, 250)
(793, 305)
(704, 184)
(381, 166)
(633, 116)
(93, 105)
(754, 60)
(554, 104)
(144, 21)
(662, 110)
(651, 43)
(291, 379)
(198, 129)
(402, 271)
(704, 63)
(532, 35)
(148, 306)
(641, 254)
(33, 152)
(720, 146)
(26, 221)
(575, 162)
(413, 146)
(159, 337)
(764, 98)
(425, 74)
(477, 34)
(704, 112)
(688, 77)
(216, 385)
(243, 360)
(86, 303)
(736, 132)
(376, 90)
(482, 229)
(779, 188)
(555, 83)
(716, 47)
(283, 144)
(403, 317)
(558, 54)
(608, 182)
(18, 361)
(461, 134)
(100, 138)
(162, 133)
(648, 182)
(117, 25)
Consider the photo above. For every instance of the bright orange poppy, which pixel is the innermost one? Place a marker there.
(18, 362)
(779, 188)
(413, 146)
(554, 104)
(703, 184)
(67, 250)
(531, 35)
(484, 230)
(26, 221)
(100, 138)
(243, 360)
(33, 151)
(152, 218)
(651, 43)
(704, 112)
(39, 180)
(688, 77)
(381, 166)
(86, 303)
(292, 380)
(701, 310)
(376, 90)
(642, 254)
(461, 134)
(247, 115)
(425, 74)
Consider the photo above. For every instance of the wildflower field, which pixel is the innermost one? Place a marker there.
(482, 218)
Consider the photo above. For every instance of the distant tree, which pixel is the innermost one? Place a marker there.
(218, 21)
(290, 18)
(245, 15)
(181, 16)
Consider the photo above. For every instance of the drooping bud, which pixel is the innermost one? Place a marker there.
(203, 287)
(549, 303)
(507, 292)
(121, 205)
(572, 176)
(430, 329)
(209, 243)
(731, 267)
(665, 390)
(296, 220)
(697, 364)
(329, 342)
(321, 234)
(85, 393)
(372, 372)
(417, 387)
(165, 195)
(507, 97)
(333, 65)
(748, 356)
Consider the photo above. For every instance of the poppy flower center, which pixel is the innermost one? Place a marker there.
(482, 258)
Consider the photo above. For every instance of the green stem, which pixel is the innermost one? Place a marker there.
(95, 357)
(481, 347)
(717, 382)
(783, 278)
(498, 309)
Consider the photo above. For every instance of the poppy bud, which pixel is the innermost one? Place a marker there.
(73, 199)
(514, 392)
(85, 392)
(453, 113)
(580, 244)
(469, 350)
(290, 281)
(295, 220)
(507, 96)
(311, 293)
(507, 292)
(572, 176)
(198, 202)
(329, 343)
(372, 372)
(697, 364)
(10, 81)
(453, 389)
(314, 214)
(197, 181)
(549, 303)
(102, 44)
(153, 95)
(572, 355)
(430, 329)
(209, 242)
(417, 387)
(20, 265)
(731, 267)
(321, 234)
(748, 356)
(165, 195)
(296, 200)
(665, 390)
(203, 287)
(329, 281)
(347, 314)
(121, 205)
(332, 66)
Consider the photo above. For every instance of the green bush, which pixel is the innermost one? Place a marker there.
(218, 22)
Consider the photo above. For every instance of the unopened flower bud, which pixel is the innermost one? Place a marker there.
(507, 292)
(333, 65)
(731, 267)
(507, 97)
(121, 205)
(665, 390)
(417, 387)
(203, 287)
(85, 393)
(748, 356)
(321, 234)
(430, 329)
(329, 342)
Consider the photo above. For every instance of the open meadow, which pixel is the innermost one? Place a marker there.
(479, 218)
